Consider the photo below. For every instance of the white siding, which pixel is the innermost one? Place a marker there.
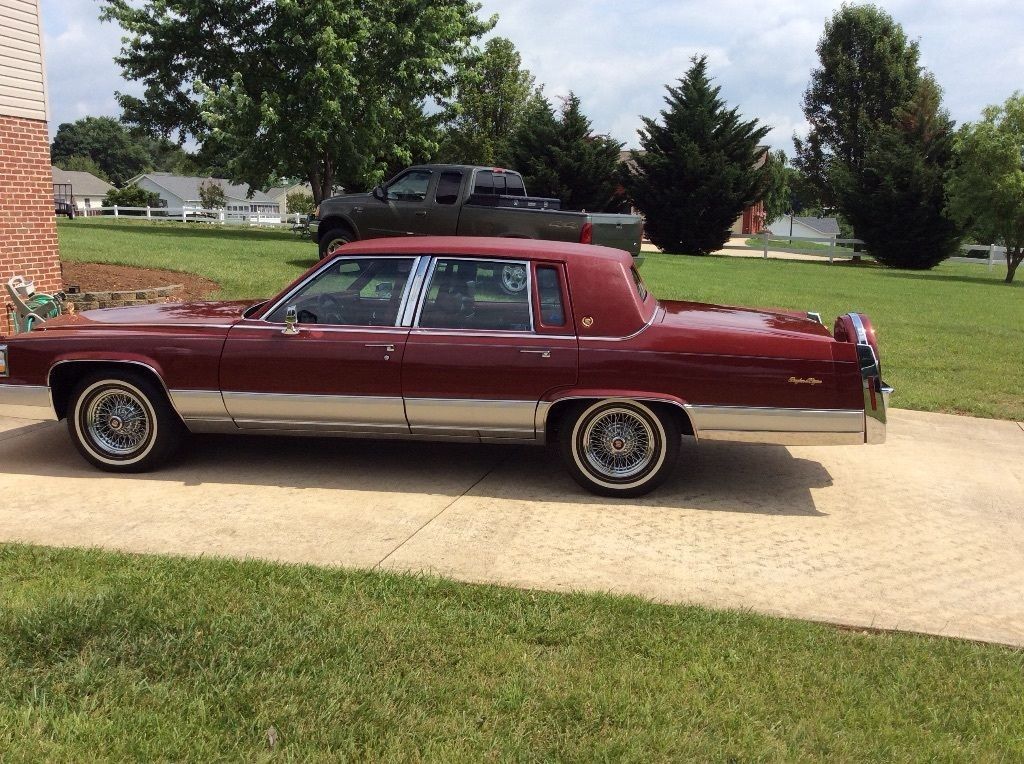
(22, 75)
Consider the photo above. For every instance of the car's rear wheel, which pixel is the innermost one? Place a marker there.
(333, 240)
(122, 422)
(619, 447)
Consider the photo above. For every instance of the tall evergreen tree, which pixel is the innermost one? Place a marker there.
(696, 172)
(587, 164)
(895, 199)
(560, 157)
(869, 71)
(529, 151)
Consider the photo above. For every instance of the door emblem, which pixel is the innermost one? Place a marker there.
(804, 381)
(587, 321)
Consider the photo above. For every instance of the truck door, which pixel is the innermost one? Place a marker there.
(404, 211)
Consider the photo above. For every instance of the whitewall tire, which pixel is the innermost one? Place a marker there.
(619, 447)
(122, 422)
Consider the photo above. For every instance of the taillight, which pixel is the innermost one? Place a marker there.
(587, 234)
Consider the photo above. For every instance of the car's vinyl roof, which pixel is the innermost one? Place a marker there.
(489, 246)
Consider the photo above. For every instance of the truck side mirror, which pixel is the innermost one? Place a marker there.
(380, 194)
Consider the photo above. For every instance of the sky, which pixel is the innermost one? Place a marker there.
(617, 56)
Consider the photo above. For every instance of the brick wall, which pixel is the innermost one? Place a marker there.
(28, 231)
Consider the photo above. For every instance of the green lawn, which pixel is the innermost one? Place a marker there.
(121, 657)
(246, 262)
(951, 338)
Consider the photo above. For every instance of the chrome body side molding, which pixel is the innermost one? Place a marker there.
(316, 412)
(27, 402)
(783, 426)
(480, 418)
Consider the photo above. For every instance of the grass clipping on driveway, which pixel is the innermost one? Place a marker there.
(133, 657)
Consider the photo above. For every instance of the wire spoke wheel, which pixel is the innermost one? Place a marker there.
(619, 444)
(118, 422)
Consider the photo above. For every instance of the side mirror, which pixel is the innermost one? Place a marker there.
(380, 194)
(291, 321)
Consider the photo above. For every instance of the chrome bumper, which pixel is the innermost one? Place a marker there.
(314, 227)
(26, 402)
(876, 403)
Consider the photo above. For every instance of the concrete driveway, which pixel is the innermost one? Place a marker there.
(925, 533)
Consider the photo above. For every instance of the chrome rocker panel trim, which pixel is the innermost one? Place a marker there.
(27, 402)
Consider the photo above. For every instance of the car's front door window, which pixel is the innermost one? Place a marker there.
(358, 291)
(478, 295)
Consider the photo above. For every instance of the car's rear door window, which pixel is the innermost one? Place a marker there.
(477, 294)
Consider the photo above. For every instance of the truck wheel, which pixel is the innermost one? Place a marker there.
(513, 279)
(332, 240)
(619, 448)
(122, 422)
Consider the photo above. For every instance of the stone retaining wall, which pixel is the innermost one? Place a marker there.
(95, 300)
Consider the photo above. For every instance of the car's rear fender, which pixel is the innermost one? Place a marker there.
(552, 411)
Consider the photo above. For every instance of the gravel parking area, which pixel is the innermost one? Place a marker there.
(925, 533)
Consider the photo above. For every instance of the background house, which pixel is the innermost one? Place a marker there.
(280, 193)
(83, 189)
(181, 192)
(796, 225)
(28, 231)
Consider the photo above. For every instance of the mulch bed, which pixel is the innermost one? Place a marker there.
(99, 277)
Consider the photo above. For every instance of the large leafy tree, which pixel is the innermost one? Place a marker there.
(868, 73)
(986, 189)
(491, 94)
(119, 154)
(895, 199)
(696, 172)
(332, 91)
(560, 157)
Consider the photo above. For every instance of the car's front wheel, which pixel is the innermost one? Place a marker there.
(619, 447)
(123, 422)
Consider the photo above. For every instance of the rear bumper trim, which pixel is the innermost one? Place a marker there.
(26, 402)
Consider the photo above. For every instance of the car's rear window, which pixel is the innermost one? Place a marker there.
(641, 288)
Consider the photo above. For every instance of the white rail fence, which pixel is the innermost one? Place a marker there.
(198, 215)
(832, 247)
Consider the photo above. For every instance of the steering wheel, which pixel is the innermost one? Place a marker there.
(331, 308)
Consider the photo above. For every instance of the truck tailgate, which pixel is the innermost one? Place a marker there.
(618, 231)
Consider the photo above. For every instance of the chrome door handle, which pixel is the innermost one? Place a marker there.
(421, 214)
(357, 209)
(541, 353)
(389, 348)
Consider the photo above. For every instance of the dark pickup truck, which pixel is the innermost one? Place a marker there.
(463, 200)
